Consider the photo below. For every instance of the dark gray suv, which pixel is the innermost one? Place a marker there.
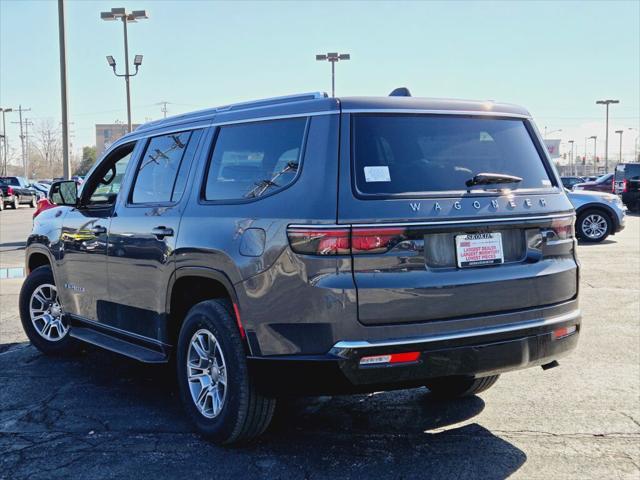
(313, 245)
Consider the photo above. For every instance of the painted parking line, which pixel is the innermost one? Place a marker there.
(15, 272)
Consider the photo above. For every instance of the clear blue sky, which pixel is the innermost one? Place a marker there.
(555, 58)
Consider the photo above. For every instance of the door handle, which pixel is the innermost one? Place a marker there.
(161, 232)
(98, 230)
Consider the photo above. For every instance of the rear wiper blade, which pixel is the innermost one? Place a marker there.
(492, 178)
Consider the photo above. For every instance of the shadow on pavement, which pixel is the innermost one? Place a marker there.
(101, 415)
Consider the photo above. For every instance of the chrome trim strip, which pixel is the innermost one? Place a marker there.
(436, 112)
(458, 335)
(437, 222)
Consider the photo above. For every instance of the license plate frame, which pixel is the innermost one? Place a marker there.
(479, 249)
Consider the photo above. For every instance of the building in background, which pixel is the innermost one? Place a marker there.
(107, 133)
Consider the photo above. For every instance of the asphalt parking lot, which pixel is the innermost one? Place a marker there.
(97, 415)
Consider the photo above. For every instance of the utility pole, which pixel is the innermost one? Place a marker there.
(572, 162)
(66, 164)
(606, 103)
(22, 136)
(27, 124)
(164, 107)
(595, 152)
(620, 132)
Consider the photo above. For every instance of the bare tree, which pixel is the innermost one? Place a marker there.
(48, 142)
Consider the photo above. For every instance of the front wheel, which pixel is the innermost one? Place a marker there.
(216, 389)
(447, 388)
(593, 226)
(41, 314)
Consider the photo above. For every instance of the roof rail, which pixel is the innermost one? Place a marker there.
(272, 101)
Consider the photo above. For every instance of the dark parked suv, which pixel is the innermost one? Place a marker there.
(626, 183)
(313, 245)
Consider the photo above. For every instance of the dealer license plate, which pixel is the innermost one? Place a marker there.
(477, 249)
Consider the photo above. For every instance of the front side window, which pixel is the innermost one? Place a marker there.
(413, 154)
(104, 185)
(254, 159)
(163, 169)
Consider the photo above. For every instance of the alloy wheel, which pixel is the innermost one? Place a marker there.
(207, 373)
(594, 226)
(46, 313)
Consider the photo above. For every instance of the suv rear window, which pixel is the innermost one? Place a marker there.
(406, 154)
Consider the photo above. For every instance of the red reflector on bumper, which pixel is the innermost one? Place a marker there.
(406, 357)
(559, 333)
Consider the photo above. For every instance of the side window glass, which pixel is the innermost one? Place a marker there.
(105, 184)
(160, 169)
(253, 159)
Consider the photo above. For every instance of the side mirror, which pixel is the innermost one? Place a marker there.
(64, 192)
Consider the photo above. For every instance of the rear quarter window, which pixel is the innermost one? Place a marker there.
(416, 154)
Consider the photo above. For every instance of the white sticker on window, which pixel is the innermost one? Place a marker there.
(377, 174)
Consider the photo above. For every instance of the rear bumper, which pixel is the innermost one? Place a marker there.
(475, 353)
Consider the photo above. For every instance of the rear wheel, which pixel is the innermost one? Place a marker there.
(1, 203)
(33, 202)
(41, 314)
(446, 388)
(16, 203)
(593, 226)
(216, 389)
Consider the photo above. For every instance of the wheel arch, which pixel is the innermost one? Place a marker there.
(191, 285)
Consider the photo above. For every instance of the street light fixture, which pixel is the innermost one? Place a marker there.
(606, 134)
(333, 57)
(595, 151)
(132, 17)
(552, 131)
(4, 138)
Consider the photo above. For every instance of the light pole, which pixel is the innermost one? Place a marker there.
(606, 132)
(549, 133)
(333, 57)
(571, 159)
(595, 151)
(131, 17)
(66, 165)
(620, 132)
(4, 139)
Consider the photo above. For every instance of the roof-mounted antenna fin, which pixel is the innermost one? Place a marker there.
(400, 92)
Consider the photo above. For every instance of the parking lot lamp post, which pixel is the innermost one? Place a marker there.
(595, 151)
(333, 57)
(572, 162)
(132, 17)
(620, 132)
(606, 103)
(4, 139)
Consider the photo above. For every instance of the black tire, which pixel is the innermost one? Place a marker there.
(65, 345)
(584, 220)
(447, 388)
(245, 412)
(33, 202)
(1, 203)
(16, 203)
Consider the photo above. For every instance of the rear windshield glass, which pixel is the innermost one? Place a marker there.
(9, 181)
(404, 154)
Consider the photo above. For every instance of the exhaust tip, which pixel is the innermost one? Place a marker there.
(549, 365)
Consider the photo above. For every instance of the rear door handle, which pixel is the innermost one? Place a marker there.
(161, 232)
(98, 230)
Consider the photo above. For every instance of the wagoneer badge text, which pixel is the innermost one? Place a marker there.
(477, 204)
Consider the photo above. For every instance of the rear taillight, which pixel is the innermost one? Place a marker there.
(563, 228)
(343, 241)
(319, 241)
(625, 186)
(9, 191)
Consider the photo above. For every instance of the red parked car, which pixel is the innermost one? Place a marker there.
(601, 184)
